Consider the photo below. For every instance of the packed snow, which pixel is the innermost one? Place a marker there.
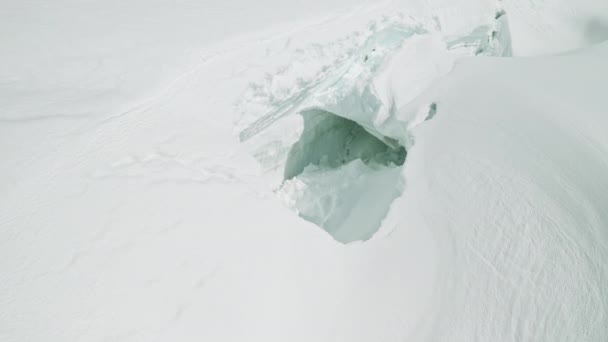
(408, 170)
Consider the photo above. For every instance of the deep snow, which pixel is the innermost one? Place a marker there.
(144, 193)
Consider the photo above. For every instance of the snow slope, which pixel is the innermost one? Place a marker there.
(522, 208)
(132, 207)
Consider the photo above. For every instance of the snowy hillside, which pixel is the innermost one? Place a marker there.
(407, 170)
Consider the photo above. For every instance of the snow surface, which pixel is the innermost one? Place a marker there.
(167, 166)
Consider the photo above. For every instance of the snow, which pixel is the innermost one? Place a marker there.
(353, 113)
(341, 177)
(533, 256)
(168, 167)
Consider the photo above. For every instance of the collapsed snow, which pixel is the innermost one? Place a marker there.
(343, 171)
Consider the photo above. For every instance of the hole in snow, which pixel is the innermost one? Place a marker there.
(330, 141)
(341, 176)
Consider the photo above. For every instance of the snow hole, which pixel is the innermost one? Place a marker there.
(342, 176)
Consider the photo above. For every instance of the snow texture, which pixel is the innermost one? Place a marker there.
(343, 170)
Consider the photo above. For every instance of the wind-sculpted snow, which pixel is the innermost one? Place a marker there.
(352, 114)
